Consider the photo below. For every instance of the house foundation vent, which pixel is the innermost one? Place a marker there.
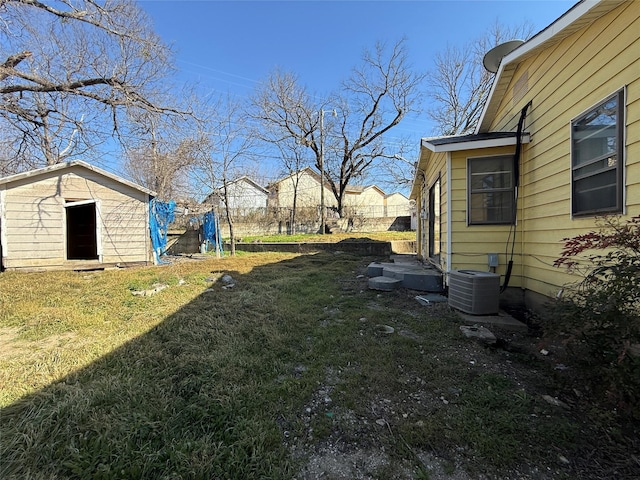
(474, 292)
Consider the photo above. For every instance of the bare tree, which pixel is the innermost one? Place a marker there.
(397, 173)
(459, 85)
(376, 97)
(163, 168)
(225, 154)
(162, 152)
(294, 162)
(71, 71)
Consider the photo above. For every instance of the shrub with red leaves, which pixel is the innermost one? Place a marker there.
(601, 314)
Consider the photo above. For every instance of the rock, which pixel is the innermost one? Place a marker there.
(634, 350)
(480, 333)
(385, 329)
(409, 334)
(554, 401)
(152, 291)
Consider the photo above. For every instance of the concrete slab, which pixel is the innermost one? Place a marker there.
(426, 281)
(404, 258)
(375, 269)
(502, 320)
(412, 274)
(431, 298)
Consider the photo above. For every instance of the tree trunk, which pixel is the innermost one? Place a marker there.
(293, 214)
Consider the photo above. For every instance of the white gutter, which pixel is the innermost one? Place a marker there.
(488, 143)
(3, 222)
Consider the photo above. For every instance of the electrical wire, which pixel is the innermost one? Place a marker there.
(516, 174)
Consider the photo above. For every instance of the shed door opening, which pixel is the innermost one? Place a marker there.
(81, 232)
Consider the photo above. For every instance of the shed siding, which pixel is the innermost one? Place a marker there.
(563, 82)
(34, 215)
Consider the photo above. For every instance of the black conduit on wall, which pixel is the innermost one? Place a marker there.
(516, 175)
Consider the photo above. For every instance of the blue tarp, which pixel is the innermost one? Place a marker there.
(211, 231)
(160, 216)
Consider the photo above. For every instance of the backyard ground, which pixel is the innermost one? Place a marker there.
(281, 366)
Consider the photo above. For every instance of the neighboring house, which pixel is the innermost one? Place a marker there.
(243, 193)
(73, 215)
(305, 185)
(397, 205)
(575, 89)
(366, 201)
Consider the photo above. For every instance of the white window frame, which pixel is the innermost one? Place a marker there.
(511, 189)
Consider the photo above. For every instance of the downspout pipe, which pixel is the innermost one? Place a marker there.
(516, 175)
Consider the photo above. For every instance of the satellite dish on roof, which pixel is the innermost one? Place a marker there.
(493, 57)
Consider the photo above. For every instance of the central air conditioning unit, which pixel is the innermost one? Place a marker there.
(474, 292)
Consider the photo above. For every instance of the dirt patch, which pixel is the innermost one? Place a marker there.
(368, 441)
(8, 343)
(11, 345)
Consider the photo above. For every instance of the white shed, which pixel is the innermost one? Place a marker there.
(73, 216)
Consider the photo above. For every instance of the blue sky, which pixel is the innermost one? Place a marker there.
(230, 46)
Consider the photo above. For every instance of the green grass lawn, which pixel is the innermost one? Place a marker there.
(283, 375)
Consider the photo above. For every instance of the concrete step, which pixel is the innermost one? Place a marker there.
(384, 283)
(413, 275)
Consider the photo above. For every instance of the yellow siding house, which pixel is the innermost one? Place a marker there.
(558, 144)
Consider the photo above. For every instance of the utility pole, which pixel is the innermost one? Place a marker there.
(321, 172)
(322, 210)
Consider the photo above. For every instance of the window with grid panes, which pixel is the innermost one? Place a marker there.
(597, 147)
(491, 190)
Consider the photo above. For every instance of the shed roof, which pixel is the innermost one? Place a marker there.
(67, 165)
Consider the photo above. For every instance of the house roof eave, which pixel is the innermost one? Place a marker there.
(474, 141)
(71, 164)
(581, 14)
(429, 146)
